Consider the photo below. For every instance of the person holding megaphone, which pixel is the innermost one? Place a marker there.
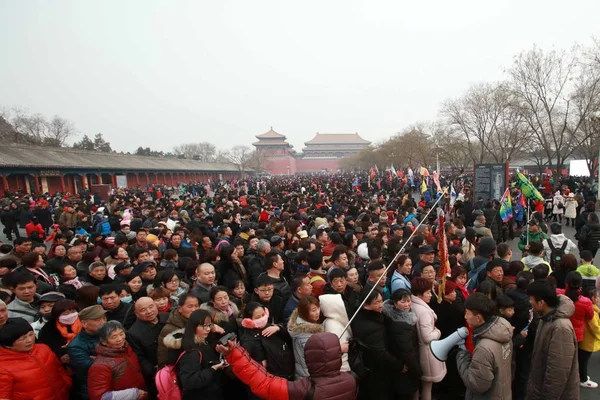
(487, 372)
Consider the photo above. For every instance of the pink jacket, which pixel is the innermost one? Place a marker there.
(433, 370)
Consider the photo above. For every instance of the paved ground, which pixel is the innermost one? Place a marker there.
(594, 364)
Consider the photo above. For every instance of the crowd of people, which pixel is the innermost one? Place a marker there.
(299, 287)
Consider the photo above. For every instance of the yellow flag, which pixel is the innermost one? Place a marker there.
(423, 186)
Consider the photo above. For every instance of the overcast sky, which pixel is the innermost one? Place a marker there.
(161, 73)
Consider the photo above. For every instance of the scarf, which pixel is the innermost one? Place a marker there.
(167, 308)
(75, 282)
(260, 323)
(228, 310)
(75, 329)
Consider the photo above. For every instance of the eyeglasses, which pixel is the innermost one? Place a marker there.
(176, 280)
(265, 290)
(209, 326)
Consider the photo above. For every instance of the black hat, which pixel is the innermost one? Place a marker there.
(487, 247)
(533, 222)
(427, 249)
(358, 229)
(276, 240)
(121, 266)
(13, 330)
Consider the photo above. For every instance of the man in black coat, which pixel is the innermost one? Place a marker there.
(116, 310)
(143, 337)
(522, 319)
(368, 327)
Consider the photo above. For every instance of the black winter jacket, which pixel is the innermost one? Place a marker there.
(403, 342)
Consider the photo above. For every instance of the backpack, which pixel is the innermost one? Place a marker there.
(473, 275)
(556, 254)
(356, 358)
(166, 381)
(280, 357)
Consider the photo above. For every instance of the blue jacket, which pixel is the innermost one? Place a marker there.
(80, 350)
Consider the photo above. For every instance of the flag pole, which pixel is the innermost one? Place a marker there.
(390, 264)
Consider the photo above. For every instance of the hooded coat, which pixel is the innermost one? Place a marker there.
(402, 340)
(433, 369)
(336, 319)
(589, 236)
(554, 367)
(300, 331)
(322, 355)
(487, 373)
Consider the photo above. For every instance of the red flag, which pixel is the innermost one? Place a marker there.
(443, 255)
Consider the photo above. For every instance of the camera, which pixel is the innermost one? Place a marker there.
(225, 339)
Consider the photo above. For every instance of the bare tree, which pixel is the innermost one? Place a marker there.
(486, 117)
(58, 131)
(202, 151)
(35, 128)
(240, 156)
(556, 94)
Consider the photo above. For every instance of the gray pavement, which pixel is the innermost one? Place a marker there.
(594, 363)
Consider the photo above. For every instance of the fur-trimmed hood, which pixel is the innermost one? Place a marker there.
(396, 315)
(298, 326)
(173, 340)
(219, 316)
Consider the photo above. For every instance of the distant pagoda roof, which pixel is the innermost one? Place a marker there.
(271, 138)
(271, 134)
(337, 138)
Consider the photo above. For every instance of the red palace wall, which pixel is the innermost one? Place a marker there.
(279, 165)
(317, 165)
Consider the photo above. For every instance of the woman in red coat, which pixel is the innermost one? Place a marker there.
(323, 356)
(28, 370)
(116, 369)
(35, 226)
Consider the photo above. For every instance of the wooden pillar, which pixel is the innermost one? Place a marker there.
(147, 178)
(99, 177)
(84, 181)
(36, 179)
(114, 180)
(4, 181)
(62, 183)
(137, 179)
(156, 178)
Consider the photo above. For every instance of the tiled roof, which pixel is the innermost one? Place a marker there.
(271, 134)
(337, 138)
(272, 143)
(67, 158)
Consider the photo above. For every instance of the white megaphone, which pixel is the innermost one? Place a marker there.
(441, 348)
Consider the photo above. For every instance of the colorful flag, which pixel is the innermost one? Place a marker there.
(424, 171)
(372, 173)
(506, 211)
(528, 189)
(423, 185)
(393, 170)
(452, 195)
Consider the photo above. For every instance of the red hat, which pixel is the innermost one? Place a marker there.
(450, 287)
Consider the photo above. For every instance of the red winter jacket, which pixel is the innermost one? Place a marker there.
(584, 311)
(30, 228)
(37, 375)
(113, 370)
(323, 360)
